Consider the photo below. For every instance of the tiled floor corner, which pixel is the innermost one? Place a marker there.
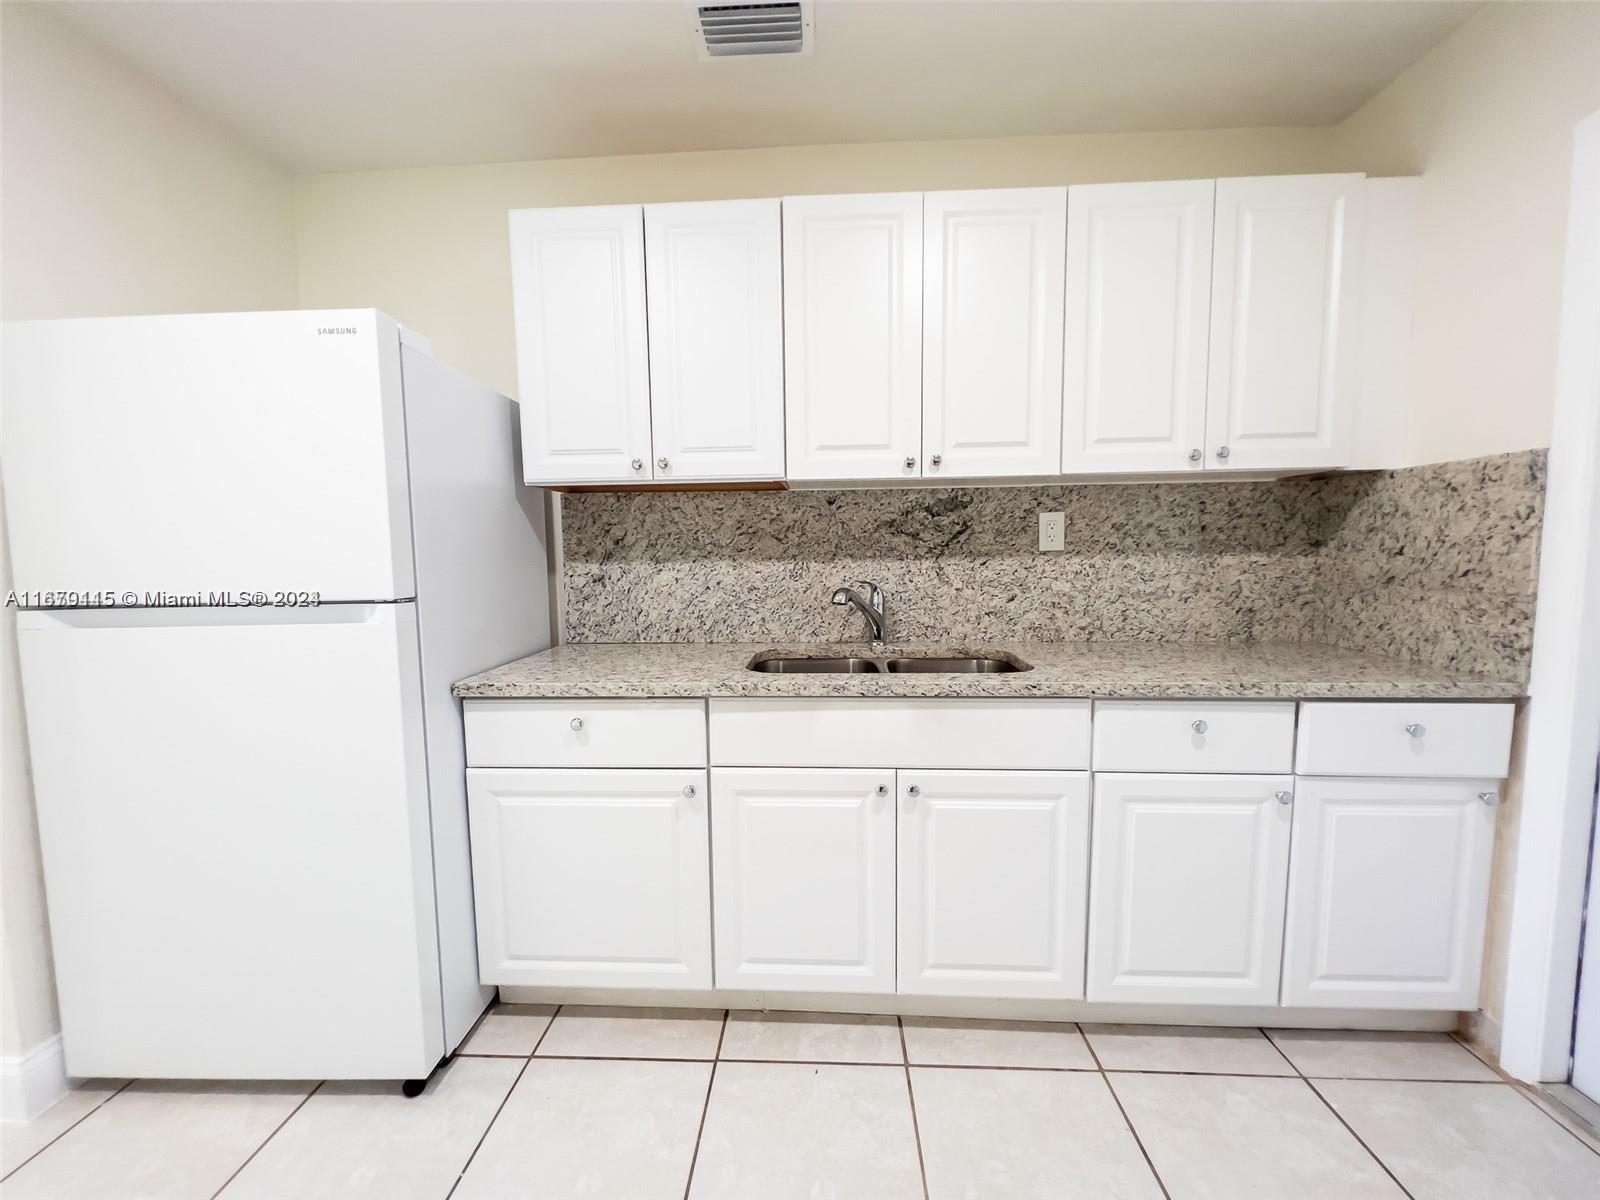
(1200, 1050)
(941, 1041)
(595, 1032)
(586, 1103)
(1351, 1054)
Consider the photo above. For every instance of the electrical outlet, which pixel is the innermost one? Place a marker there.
(1052, 531)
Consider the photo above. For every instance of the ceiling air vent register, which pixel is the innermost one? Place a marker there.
(728, 30)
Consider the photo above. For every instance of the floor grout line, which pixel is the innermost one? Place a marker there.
(91, 1112)
(304, 1100)
(1339, 1117)
(1517, 1086)
(705, 1108)
(1360, 1141)
(911, 1095)
(1126, 1120)
(501, 1107)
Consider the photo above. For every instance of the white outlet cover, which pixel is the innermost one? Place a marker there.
(1052, 531)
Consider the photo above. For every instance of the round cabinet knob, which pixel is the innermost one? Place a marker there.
(638, 464)
(688, 791)
(1199, 726)
(662, 463)
(1416, 730)
(1283, 797)
(1222, 453)
(1489, 798)
(910, 462)
(881, 790)
(576, 724)
(913, 791)
(1195, 455)
(935, 461)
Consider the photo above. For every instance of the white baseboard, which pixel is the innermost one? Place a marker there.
(32, 1081)
(1006, 1010)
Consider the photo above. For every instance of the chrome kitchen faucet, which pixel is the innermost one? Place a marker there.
(871, 608)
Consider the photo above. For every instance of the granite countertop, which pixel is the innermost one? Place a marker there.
(1127, 670)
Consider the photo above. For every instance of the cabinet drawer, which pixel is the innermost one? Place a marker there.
(586, 733)
(1232, 736)
(1000, 734)
(1464, 741)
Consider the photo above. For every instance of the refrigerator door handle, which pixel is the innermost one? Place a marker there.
(193, 616)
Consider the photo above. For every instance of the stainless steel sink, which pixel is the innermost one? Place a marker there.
(964, 666)
(780, 664)
(818, 666)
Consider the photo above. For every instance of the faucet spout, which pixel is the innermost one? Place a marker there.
(870, 606)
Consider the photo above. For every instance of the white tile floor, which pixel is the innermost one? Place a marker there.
(546, 1104)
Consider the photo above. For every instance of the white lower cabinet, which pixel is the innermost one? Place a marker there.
(591, 878)
(1388, 890)
(804, 879)
(993, 883)
(956, 856)
(1187, 893)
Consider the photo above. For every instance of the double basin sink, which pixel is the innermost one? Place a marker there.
(899, 665)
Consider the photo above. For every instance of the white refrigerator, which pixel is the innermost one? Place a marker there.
(252, 552)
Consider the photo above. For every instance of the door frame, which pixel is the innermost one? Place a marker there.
(1563, 710)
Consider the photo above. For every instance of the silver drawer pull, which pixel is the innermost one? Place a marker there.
(913, 791)
(1416, 730)
(688, 791)
(576, 724)
(1199, 726)
(1489, 798)
(1283, 797)
(881, 790)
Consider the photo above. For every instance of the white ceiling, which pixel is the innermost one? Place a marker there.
(373, 83)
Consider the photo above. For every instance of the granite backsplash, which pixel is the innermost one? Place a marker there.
(1434, 563)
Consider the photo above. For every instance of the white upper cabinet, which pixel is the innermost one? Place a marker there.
(993, 883)
(715, 294)
(577, 278)
(1283, 322)
(1186, 904)
(1138, 305)
(852, 324)
(1388, 890)
(994, 264)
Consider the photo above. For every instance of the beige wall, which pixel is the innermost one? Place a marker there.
(429, 245)
(1486, 119)
(114, 198)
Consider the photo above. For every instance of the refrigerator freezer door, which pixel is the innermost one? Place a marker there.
(233, 815)
(192, 454)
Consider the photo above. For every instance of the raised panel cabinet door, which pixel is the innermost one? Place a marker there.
(1388, 891)
(1187, 890)
(1283, 322)
(803, 864)
(1138, 320)
(852, 327)
(715, 289)
(577, 281)
(993, 883)
(993, 292)
(591, 878)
